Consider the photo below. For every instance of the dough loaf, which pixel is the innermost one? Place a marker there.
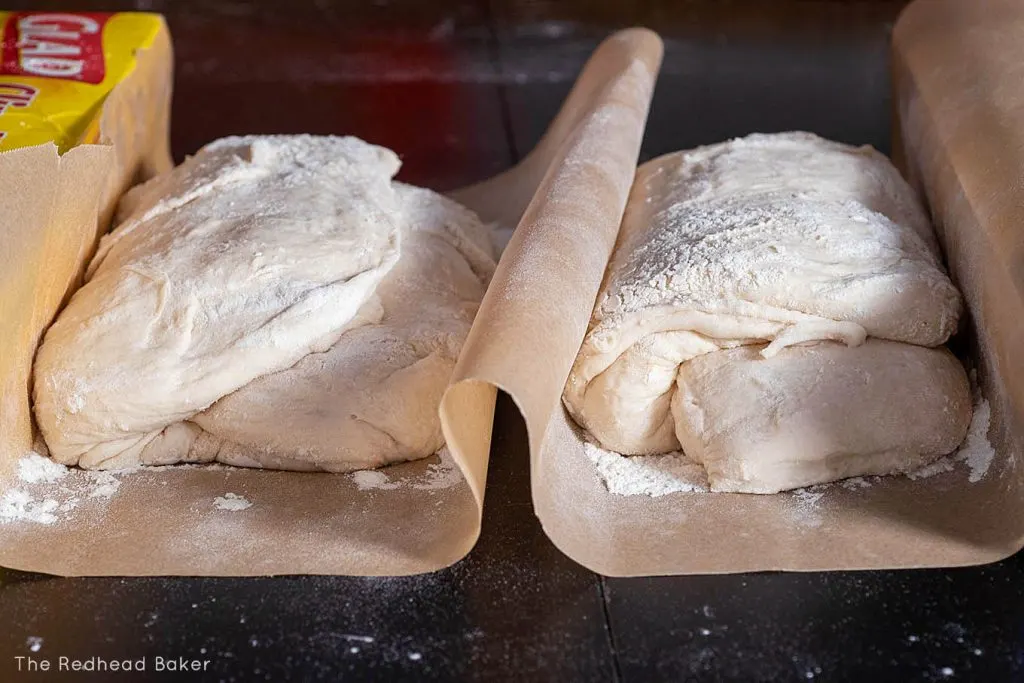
(773, 240)
(818, 413)
(274, 301)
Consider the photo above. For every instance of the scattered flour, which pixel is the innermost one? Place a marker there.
(373, 479)
(809, 496)
(940, 466)
(19, 505)
(975, 452)
(105, 484)
(805, 511)
(45, 490)
(232, 502)
(854, 483)
(34, 643)
(649, 475)
(440, 475)
(34, 468)
(177, 466)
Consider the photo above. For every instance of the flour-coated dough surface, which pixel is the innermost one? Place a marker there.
(785, 239)
(274, 301)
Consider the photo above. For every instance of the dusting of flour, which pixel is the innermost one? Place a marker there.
(18, 504)
(442, 474)
(649, 475)
(34, 468)
(975, 452)
(232, 502)
(45, 490)
(105, 484)
(373, 479)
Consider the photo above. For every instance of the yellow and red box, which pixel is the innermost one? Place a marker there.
(57, 68)
(84, 114)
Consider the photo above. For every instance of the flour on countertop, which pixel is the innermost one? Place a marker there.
(442, 474)
(805, 511)
(232, 502)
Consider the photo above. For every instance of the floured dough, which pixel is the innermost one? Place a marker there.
(819, 413)
(371, 398)
(274, 301)
(787, 239)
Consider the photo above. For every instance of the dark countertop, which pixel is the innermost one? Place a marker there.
(462, 89)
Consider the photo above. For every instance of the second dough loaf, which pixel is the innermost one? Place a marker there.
(772, 240)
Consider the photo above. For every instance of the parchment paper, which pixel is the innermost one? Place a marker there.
(570, 194)
(166, 521)
(52, 209)
(963, 120)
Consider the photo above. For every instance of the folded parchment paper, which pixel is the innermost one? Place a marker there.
(963, 119)
(52, 206)
(223, 521)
